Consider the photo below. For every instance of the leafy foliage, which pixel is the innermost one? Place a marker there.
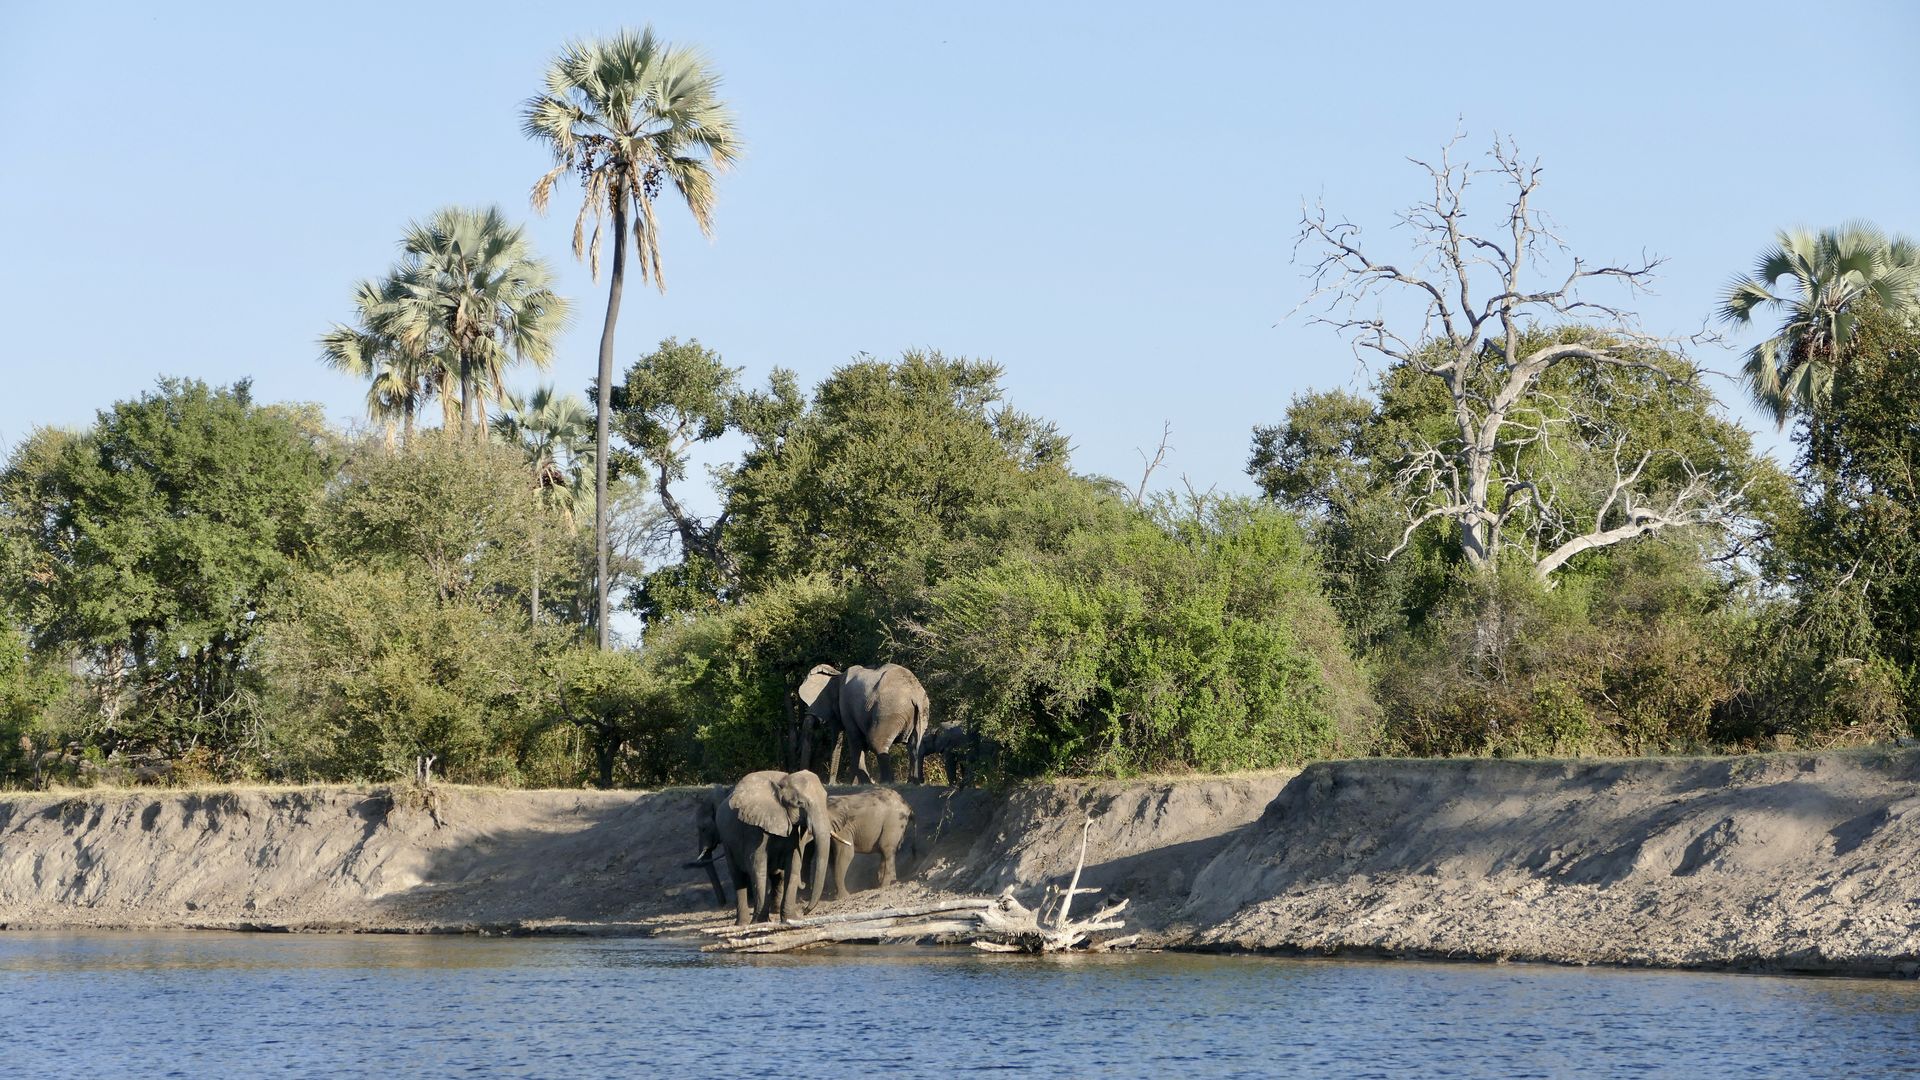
(1175, 641)
(882, 472)
(1639, 657)
(1832, 276)
(146, 548)
(1845, 651)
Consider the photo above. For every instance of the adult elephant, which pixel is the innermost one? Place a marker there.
(776, 816)
(872, 708)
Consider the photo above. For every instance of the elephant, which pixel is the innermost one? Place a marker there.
(957, 748)
(771, 820)
(870, 707)
(873, 822)
(708, 832)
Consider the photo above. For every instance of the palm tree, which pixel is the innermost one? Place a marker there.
(1830, 273)
(555, 434)
(469, 287)
(628, 115)
(401, 375)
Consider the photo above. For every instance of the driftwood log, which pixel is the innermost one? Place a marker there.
(994, 924)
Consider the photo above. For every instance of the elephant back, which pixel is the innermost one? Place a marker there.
(884, 701)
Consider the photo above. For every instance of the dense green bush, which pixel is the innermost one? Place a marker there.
(369, 671)
(144, 549)
(1639, 657)
(725, 676)
(1195, 640)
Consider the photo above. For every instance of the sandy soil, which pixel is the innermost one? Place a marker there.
(1789, 862)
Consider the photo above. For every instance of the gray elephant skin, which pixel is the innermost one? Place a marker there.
(872, 707)
(874, 822)
(957, 748)
(774, 819)
(708, 830)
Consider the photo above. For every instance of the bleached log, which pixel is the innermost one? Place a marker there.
(973, 903)
(1073, 887)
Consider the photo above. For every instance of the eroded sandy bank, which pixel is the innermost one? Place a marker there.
(1780, 863)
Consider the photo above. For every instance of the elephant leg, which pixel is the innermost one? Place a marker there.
(760, 897)
(742, 895)
(888, 853)
(842, 856)
(790, 895)
(885, 763)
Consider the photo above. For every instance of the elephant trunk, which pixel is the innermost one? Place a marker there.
(822, 857)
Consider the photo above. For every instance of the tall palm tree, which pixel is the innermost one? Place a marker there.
(469, 286)
(402, 375)
(628, 116)
(1829, 274)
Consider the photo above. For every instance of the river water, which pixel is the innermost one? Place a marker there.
(94, 1005)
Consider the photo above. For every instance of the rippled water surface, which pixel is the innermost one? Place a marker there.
(242, 1005)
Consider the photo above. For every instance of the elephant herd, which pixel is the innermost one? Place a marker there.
(775, 827)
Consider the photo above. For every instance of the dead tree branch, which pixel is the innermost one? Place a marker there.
(1497, 314)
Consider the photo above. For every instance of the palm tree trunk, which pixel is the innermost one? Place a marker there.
(406, 434)
(466, 392)
(603, 407)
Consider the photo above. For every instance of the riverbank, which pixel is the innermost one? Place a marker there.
(1782, 862)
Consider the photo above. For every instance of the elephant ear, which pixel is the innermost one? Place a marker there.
(803, 793)
(812, 692)
(757, 800)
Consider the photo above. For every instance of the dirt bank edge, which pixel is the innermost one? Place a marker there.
(1777, 863)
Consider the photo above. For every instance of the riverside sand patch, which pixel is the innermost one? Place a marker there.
(1784, 862)
(1777, 862)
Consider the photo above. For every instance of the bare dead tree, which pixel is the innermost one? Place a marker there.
(1153, 464)
(1485, 301)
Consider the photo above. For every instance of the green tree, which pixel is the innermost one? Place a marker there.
(883, 472)
(555, 433)
(469, 287)
(410, 632)
(1171, 640)
(147, 546)
(1829, 276)
(675, 398)
(1851, 557)
(454, 515)
(628, 115)
(372, 673)
(402, 376)
(28, 686)
(1607, 443)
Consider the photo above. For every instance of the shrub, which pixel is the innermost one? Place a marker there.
(1172, 641)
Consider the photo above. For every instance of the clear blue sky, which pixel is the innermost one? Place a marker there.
(1101, 198)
